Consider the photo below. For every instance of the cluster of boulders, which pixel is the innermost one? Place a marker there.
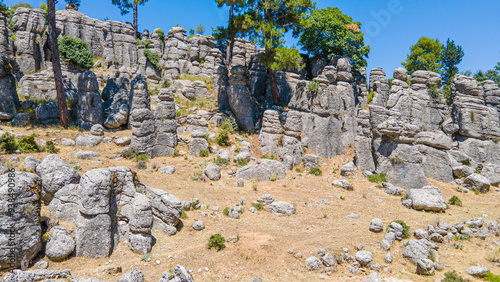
(414, 133)
(106, 206)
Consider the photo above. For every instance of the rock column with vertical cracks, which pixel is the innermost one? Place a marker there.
(165, 125)
(240, 99)
(142, 120)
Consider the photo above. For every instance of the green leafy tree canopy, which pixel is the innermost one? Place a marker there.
(330, 32)
(451, 57)
(425, 55)
(75, 50)
(200, 29)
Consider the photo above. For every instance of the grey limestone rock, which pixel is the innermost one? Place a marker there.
(428, 198)
(24, 221)
(60, 244)
(364, 257)
(30, 163)
(87, 140)
(263, 170)
(280, 208)
(416, 250)
(376, 225)
(55, 174)
(212, 171)
(478, 271)
(425, 267)
(477, 182)
(132, 276)
(86, 155)
(314, 263)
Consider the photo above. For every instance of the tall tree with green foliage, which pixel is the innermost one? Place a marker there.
(493, 74)
(200, 29)
(226, 35)
(425, 55)
(452, 56)
(330, 32)
(126, 5)
(9, 11)
(265, 22)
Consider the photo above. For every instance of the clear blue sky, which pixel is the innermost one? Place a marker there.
(390, 26)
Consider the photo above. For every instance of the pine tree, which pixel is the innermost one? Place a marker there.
(126, 5)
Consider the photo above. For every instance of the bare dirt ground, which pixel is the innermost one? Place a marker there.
(264, 238)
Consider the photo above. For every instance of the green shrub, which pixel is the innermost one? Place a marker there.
(223, 139)
(139, 42)
(221, 162)
(491, 277)
(225, 211)
(152, 57)
(452, 277)
(165, 84)
(160, 33)
(10, 12)
(51, 148)
(455, 201)
(241, 162)
(269, 156)
(375, 178)
(406, 228)
(408, 80)
(315, 171)
(313, 87)
(370, 97)
(75, 50)
(8, 144)
(148, 43)
(216, 241)
(258, 205)
(229, 125)
(184, 215)
(142, 158)
(27, 144)
(204, 153)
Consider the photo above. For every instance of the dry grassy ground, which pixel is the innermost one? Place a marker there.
(264, 238)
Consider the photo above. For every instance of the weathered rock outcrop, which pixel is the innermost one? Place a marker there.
(20, 231)
(9, 101)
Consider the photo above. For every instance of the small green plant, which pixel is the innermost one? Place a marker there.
(139, 42)
(27, 144)
(45, 237)
(75, 50)
(408, 80)
(147, 257)
(8, 144)
(229, 126)
(142, 158)
(223, 138)
(406, 228)
(390, 82)
(152, 57)
(221, 162)
(315, 171)
(216, 241)
(254, 184)
(455, 201)
(51, 148)
(432, 256)
(492, 277)
(274, 177)
(452, 276)
(165, 84)
(459, 246)
(204, 153)
(77, 167)
(184, 215)
(375, 178)
(342, 196)
(313, 87)
(225, 211)
(258, 205)
(269, 156)
(148, 43)
(476, 192)
(370, 97)
(298, 170)
(241, 162)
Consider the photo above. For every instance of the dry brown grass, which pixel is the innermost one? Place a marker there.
(264, 238)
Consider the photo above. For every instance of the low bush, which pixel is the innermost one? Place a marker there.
(455, 201)
(223, 139)
(8, 144)
(375, 178)
(153, 58)
(452, 276)
(51, 148)
(269, 156)
(27, 144)
(204, 153)
(142, 158)
(216, 241)
(221, 162)
(258, 205)
(241, 162)
(492, 277)
(315, 171)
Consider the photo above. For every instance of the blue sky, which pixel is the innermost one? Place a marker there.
(390, 26)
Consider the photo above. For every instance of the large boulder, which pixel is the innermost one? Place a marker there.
(55, 174)
(60, 244)
(477, 182)
(265, 170)
(428, 198)
(20, 230)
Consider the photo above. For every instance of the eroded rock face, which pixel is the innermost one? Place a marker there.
(239, 98)
(20, 228)
(165, 125)
(9, 101)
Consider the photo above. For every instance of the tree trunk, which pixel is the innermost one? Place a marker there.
(56, 64)
(136, 26)
(274, 87)
(230, 42)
